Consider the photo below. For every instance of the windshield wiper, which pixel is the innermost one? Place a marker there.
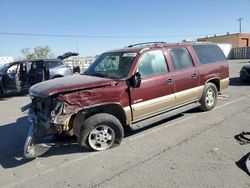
(101, 75)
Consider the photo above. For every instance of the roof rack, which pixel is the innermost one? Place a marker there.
(145, 43)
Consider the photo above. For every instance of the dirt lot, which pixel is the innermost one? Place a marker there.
(193, 149)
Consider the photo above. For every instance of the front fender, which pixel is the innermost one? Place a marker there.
(79, 119)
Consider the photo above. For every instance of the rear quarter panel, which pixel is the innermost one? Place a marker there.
(210, 71)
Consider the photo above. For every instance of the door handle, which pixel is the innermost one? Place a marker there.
(169, 81)
(194, 75)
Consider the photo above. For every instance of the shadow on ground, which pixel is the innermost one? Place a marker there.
(13, 136)
(236, 81)
(242, 163)
(14, 94)
(12, 139)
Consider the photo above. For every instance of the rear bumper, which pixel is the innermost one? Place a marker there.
(224, 83)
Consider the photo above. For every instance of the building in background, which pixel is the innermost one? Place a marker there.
(237, 40)
(4, 60)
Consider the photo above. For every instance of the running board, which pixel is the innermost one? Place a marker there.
(168, 114)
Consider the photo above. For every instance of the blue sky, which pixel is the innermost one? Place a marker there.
(121, 22)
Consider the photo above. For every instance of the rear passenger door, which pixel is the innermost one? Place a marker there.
(38, 72)
(185, 76)
(156, 92)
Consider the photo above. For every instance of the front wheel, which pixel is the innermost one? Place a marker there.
(209, 97)
(29, 146)
(100, 132)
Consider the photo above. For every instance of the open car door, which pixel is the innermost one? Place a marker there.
(11, 82)
(39, 72)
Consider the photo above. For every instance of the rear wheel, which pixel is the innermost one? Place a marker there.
(100, 132)
(243, 76)
(209, 97)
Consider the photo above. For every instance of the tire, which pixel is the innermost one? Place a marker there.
(243, 77)
(100, 132)
(209, 98)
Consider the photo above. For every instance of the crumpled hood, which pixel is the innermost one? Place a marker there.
(69, 83)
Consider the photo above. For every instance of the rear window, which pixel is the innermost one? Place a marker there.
(53, 64)
(209, 53)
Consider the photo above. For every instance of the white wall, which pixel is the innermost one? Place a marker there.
(226, 48)
(4, 60)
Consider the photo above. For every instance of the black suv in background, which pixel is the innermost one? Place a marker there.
(21, 75)
(245, 72)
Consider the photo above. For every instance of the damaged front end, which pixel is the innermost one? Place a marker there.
(48, 118)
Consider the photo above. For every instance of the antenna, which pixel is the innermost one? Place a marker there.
(239, 20)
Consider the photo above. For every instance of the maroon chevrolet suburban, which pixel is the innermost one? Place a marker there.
(131, 88)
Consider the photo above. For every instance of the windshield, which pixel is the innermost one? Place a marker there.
(3, 67)
(112, 65)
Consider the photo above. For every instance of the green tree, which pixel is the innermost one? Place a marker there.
(37, 53)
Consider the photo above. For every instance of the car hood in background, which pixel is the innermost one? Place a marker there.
(66, 55)
(247, 66)
(69, 84)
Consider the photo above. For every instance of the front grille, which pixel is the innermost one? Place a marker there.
(41, 107)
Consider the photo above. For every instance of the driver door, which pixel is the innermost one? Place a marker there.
(156, 93)
(11, 79)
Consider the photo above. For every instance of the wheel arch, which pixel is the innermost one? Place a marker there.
(114, 109)
(216, 82)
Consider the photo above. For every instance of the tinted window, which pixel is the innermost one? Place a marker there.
(209, 53)
(152, 63)
(37, 65)
(181, 58)
(53, 64)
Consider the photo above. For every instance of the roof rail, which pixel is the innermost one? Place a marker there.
(145, 43)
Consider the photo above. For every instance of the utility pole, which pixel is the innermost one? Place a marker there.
(239, 20)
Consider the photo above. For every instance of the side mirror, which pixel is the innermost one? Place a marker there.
(135, 80)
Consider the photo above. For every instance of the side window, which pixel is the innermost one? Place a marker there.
(209, 53)
(53, 64)
(152, 63)
(12, 69)
(181, 58)
(37, 65)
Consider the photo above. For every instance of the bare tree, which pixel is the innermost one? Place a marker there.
(37, 53)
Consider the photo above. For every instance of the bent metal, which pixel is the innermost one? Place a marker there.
(131, 87)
